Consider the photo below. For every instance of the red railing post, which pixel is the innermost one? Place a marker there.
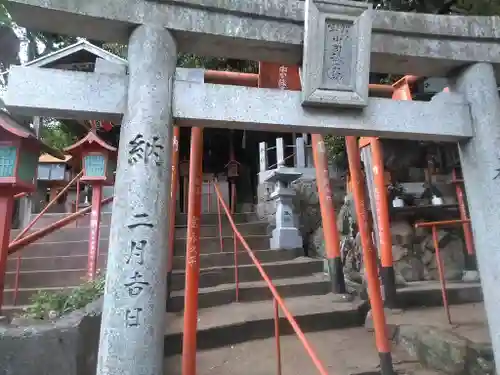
(94, 231)
(369, 258)
(277, 335)
(469, 242)
(439, 261)
(330, 233)
(209, 204)
(6, 211)
(440, 267)
(221, 241)
(192, 254)
(77, 201)
(235, 243)
(173, 203)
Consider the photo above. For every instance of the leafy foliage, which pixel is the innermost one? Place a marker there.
(56, 134)
(335, 146)
(48, 305)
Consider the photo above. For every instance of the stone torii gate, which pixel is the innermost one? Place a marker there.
(337, 43)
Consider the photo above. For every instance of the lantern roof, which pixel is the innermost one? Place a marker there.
(11, 126)
(49, 159)
(90, 140)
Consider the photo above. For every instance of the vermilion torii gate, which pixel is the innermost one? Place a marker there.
(336, 42)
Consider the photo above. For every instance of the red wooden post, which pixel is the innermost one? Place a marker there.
(173, 203)
(277, 335)
(6, 210)
(384, 225)
(95, 224)
(331, 235)
(192, 254)
(369, 258)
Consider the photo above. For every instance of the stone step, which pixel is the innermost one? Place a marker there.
(206, 260)
(211, 245)
(428, 294)
(207, 245)
(213, 218)
(82, 233)
(227, 258)
(47, 278)
(239, 322)
(54, 263)
(316, 284)
(181, 219)
(210, 277)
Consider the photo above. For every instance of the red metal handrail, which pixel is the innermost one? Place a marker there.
(277, 300)
(30, 225)
(32, 237)
(439, 262)
(46, 208)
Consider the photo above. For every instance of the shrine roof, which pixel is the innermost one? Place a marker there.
(13, 127)
(76, 53)
(90, 138)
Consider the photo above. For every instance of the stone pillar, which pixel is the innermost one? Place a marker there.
(300, 153)
(262, 156)
(133, 318)
(280, 153)
(480, 157)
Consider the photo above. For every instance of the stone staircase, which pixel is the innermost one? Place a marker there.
(59, 261)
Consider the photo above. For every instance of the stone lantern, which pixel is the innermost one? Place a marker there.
(98, 159)
(99, 165)
(19, 152)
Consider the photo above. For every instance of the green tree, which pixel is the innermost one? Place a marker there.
(57, 134)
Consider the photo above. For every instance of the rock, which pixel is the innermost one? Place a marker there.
(391, 329)
(435, 348)
(4, 320)
(410, 268)
(398, 252)
(306, 206)
(67, 346)
(443, 350)
(402, 233)
(316, 244)
(453, 257)
(471, 276)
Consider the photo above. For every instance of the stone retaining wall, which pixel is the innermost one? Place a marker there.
(66, 346)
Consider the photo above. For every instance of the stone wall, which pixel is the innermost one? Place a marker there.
(66, 346)
(413, 249)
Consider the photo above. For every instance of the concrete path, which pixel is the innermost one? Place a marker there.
(343, 352)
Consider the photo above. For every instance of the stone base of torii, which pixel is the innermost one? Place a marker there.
(154, 94)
